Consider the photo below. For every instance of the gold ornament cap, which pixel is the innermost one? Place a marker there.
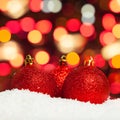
(63, 60)
(29, 60)
(89, 61)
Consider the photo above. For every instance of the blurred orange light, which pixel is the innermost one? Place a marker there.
(35, 5)
(59, 32)
(44, 26)
(115, 61)
(106, 38)
(108, 21)
(34, 37)
(73, 59)
(5, 35)
(5, 69)
(27, 24)
(87, 30)
(3, 5)
(42, 57)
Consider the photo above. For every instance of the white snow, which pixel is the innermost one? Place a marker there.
(26, 105)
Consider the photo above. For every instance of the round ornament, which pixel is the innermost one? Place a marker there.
(86, 83)
(60, 73)
(35, 79)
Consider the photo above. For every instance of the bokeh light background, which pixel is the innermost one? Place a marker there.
(47, 29)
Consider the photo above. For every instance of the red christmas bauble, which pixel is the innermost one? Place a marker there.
(4, 83)
(60, 74)
(34, 79)
(86, 83)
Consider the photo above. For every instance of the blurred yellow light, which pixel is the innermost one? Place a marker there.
(80, 42)
(9, 50)
(116, 30)
(114, 6)
(71, 42)
(34, 36)
(66, 44)
(42, 57)
(111, 50)
(17, 61)
(5, 35)
(116, 61)
(16, 8)
(73, 58)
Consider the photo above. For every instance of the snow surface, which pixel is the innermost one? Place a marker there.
(26, 105)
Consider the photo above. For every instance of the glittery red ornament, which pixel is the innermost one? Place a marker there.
(34, 79)
(60, 73)
(86, 83)
(4, 83)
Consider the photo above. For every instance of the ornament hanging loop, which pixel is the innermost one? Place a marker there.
(29, 60)
(89, 61)
(63, 60)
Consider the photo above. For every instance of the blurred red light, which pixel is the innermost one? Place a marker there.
(108, 21)
(35, 5)
(87, 30)
(44, 26)
(114, 79)
(27, 24)
(99, 61)
(106, 38)
(73, 25)
(5, 69)
(115, 88)
(16, 27)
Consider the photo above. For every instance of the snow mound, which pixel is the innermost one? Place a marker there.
(25, 105)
